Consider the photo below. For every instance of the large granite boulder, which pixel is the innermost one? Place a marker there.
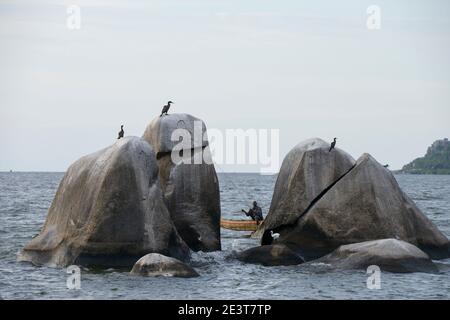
(366, 204)
(188, 179)
(272, 255)
(158, 265)
(307, 171)
(389, 255)
(108, 211)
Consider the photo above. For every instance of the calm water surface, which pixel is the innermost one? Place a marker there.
(26, 197)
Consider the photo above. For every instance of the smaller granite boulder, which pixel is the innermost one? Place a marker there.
(158, 265)
(389, 255)
(272, 255)
(159, 132)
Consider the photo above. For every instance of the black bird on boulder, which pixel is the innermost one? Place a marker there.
(166, 108)
(121, 132)
(333, 145)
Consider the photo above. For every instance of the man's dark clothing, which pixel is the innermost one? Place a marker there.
(256, 213)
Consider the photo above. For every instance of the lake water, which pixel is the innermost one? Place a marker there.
(26, 197)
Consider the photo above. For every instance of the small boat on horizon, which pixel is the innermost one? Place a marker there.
(239, 225)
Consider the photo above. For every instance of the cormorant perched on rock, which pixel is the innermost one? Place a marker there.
(121, 132)
(333, 144)
(166, 108)
(386, 166)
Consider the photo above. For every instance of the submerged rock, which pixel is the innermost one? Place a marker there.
(307, 170)
(272, 255)
(389, 255)
(191, 187)
(108, 211)
(157, 265)
(366, 204)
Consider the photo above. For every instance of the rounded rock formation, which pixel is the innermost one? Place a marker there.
(389, 255)
(272, 255)
(158, 265)
(365, 204)
(190, 184)
(307, 170)
(108, 211)
(160, 130)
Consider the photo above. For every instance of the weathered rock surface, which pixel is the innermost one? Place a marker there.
(272, 255)
(108, 211)
(158, 265)
(389, 255)
(306, 172)
(159, 132)
(191, 187)
(366, 204)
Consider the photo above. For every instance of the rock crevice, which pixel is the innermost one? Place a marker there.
(267, 238)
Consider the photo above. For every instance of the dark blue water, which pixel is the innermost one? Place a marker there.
(26, 197)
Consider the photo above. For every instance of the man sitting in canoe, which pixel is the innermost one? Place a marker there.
(255, 213)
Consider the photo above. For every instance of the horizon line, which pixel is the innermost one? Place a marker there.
(47, 171)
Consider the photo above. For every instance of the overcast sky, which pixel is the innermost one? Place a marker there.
(310, 69)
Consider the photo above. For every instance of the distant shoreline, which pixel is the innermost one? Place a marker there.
(395, 172)
(219, 172)
(399, 172)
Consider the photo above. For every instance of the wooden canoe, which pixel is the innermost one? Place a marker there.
(239, 225)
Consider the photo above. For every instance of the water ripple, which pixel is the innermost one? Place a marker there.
(25, 198)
